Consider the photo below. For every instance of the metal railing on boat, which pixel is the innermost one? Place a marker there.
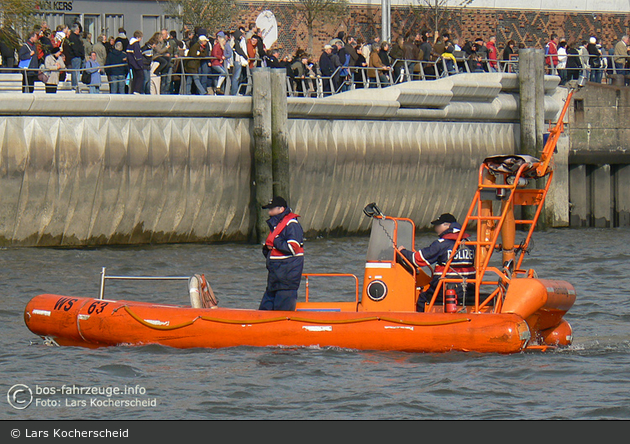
(104, 277)
(306, 276)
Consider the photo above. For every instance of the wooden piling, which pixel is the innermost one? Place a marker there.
(531, 109)
(527, 101)
(279, 142)
(262, 171)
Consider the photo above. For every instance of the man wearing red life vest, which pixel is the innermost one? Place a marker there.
(439, 252)
(284, 251)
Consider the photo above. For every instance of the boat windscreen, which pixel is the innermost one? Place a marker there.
(383, 237)
(405, 234)
(381, 247)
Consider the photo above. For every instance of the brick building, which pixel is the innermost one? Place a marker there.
(528, 22)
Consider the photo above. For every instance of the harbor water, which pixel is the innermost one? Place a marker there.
(589, 380)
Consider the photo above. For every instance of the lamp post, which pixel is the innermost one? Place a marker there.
(386, 20)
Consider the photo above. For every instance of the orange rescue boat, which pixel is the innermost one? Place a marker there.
(511, 310)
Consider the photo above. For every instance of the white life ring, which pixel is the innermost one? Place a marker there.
(201, 294)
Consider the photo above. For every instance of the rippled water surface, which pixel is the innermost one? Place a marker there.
(589, 380)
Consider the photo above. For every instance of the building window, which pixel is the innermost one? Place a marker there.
(150, 25)
(113, 22)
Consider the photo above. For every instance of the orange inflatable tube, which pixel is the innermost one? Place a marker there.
(542, 303)
(94, 322)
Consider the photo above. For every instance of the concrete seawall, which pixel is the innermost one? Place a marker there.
(110, 169)
(599, 157)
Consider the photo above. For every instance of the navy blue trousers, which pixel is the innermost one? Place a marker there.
(279, 300)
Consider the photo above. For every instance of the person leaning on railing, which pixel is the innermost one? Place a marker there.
(77, 54)
(217, 64)
(562, 61)
(303, 74)
(7, 50)
(327, 67)
(192, 66)
(253, 52)
(411, 52)
(360, 63)
(239, 46)
(595, 60)
(551, 54)
(117, 74)
(93, 68)
(53, 63)
(27, 56)
(492, 54)
(135, 60)
(100, 49)
(574, 62)
(449, 59)
(621, 56)
(397, 53)
(378, 67)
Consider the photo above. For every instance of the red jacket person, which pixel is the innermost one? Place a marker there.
(284, 251)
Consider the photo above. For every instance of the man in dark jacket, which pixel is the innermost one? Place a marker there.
(117, 74)
(28, 59)
(122, 37)
(136, 62)
(239, 74)
(8, 42)
(350, 48)
(198, 51)
(272, 59)
(326, 66)
(438, 253)
(574, 64)
(77, 54)
(284, 251)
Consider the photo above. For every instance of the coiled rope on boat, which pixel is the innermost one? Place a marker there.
(292, 319)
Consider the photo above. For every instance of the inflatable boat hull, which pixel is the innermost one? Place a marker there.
(95, 323)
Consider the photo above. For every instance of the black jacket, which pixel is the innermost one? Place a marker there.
(573, 59)
(25, 53)
(273, 62)
(6, 51)
(326, 65)
(384, 57)
(595, 59)
(76, 46)
(123, 40)
(116, 58)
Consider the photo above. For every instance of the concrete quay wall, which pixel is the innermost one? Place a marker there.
(108, 169)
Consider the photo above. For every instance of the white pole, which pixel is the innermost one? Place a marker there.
(386, 20)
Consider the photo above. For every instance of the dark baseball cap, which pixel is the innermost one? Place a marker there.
(277, 201)
(446, 217)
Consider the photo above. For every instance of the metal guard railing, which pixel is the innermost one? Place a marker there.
(363, 77)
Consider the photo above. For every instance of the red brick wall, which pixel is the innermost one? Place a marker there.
(531, 28)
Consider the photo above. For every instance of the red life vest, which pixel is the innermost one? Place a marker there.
(295, 246)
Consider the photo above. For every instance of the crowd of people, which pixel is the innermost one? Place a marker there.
(203, 63)
(198, 63)
(587, 59)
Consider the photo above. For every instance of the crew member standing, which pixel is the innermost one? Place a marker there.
(284, 250)
(439, 252)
